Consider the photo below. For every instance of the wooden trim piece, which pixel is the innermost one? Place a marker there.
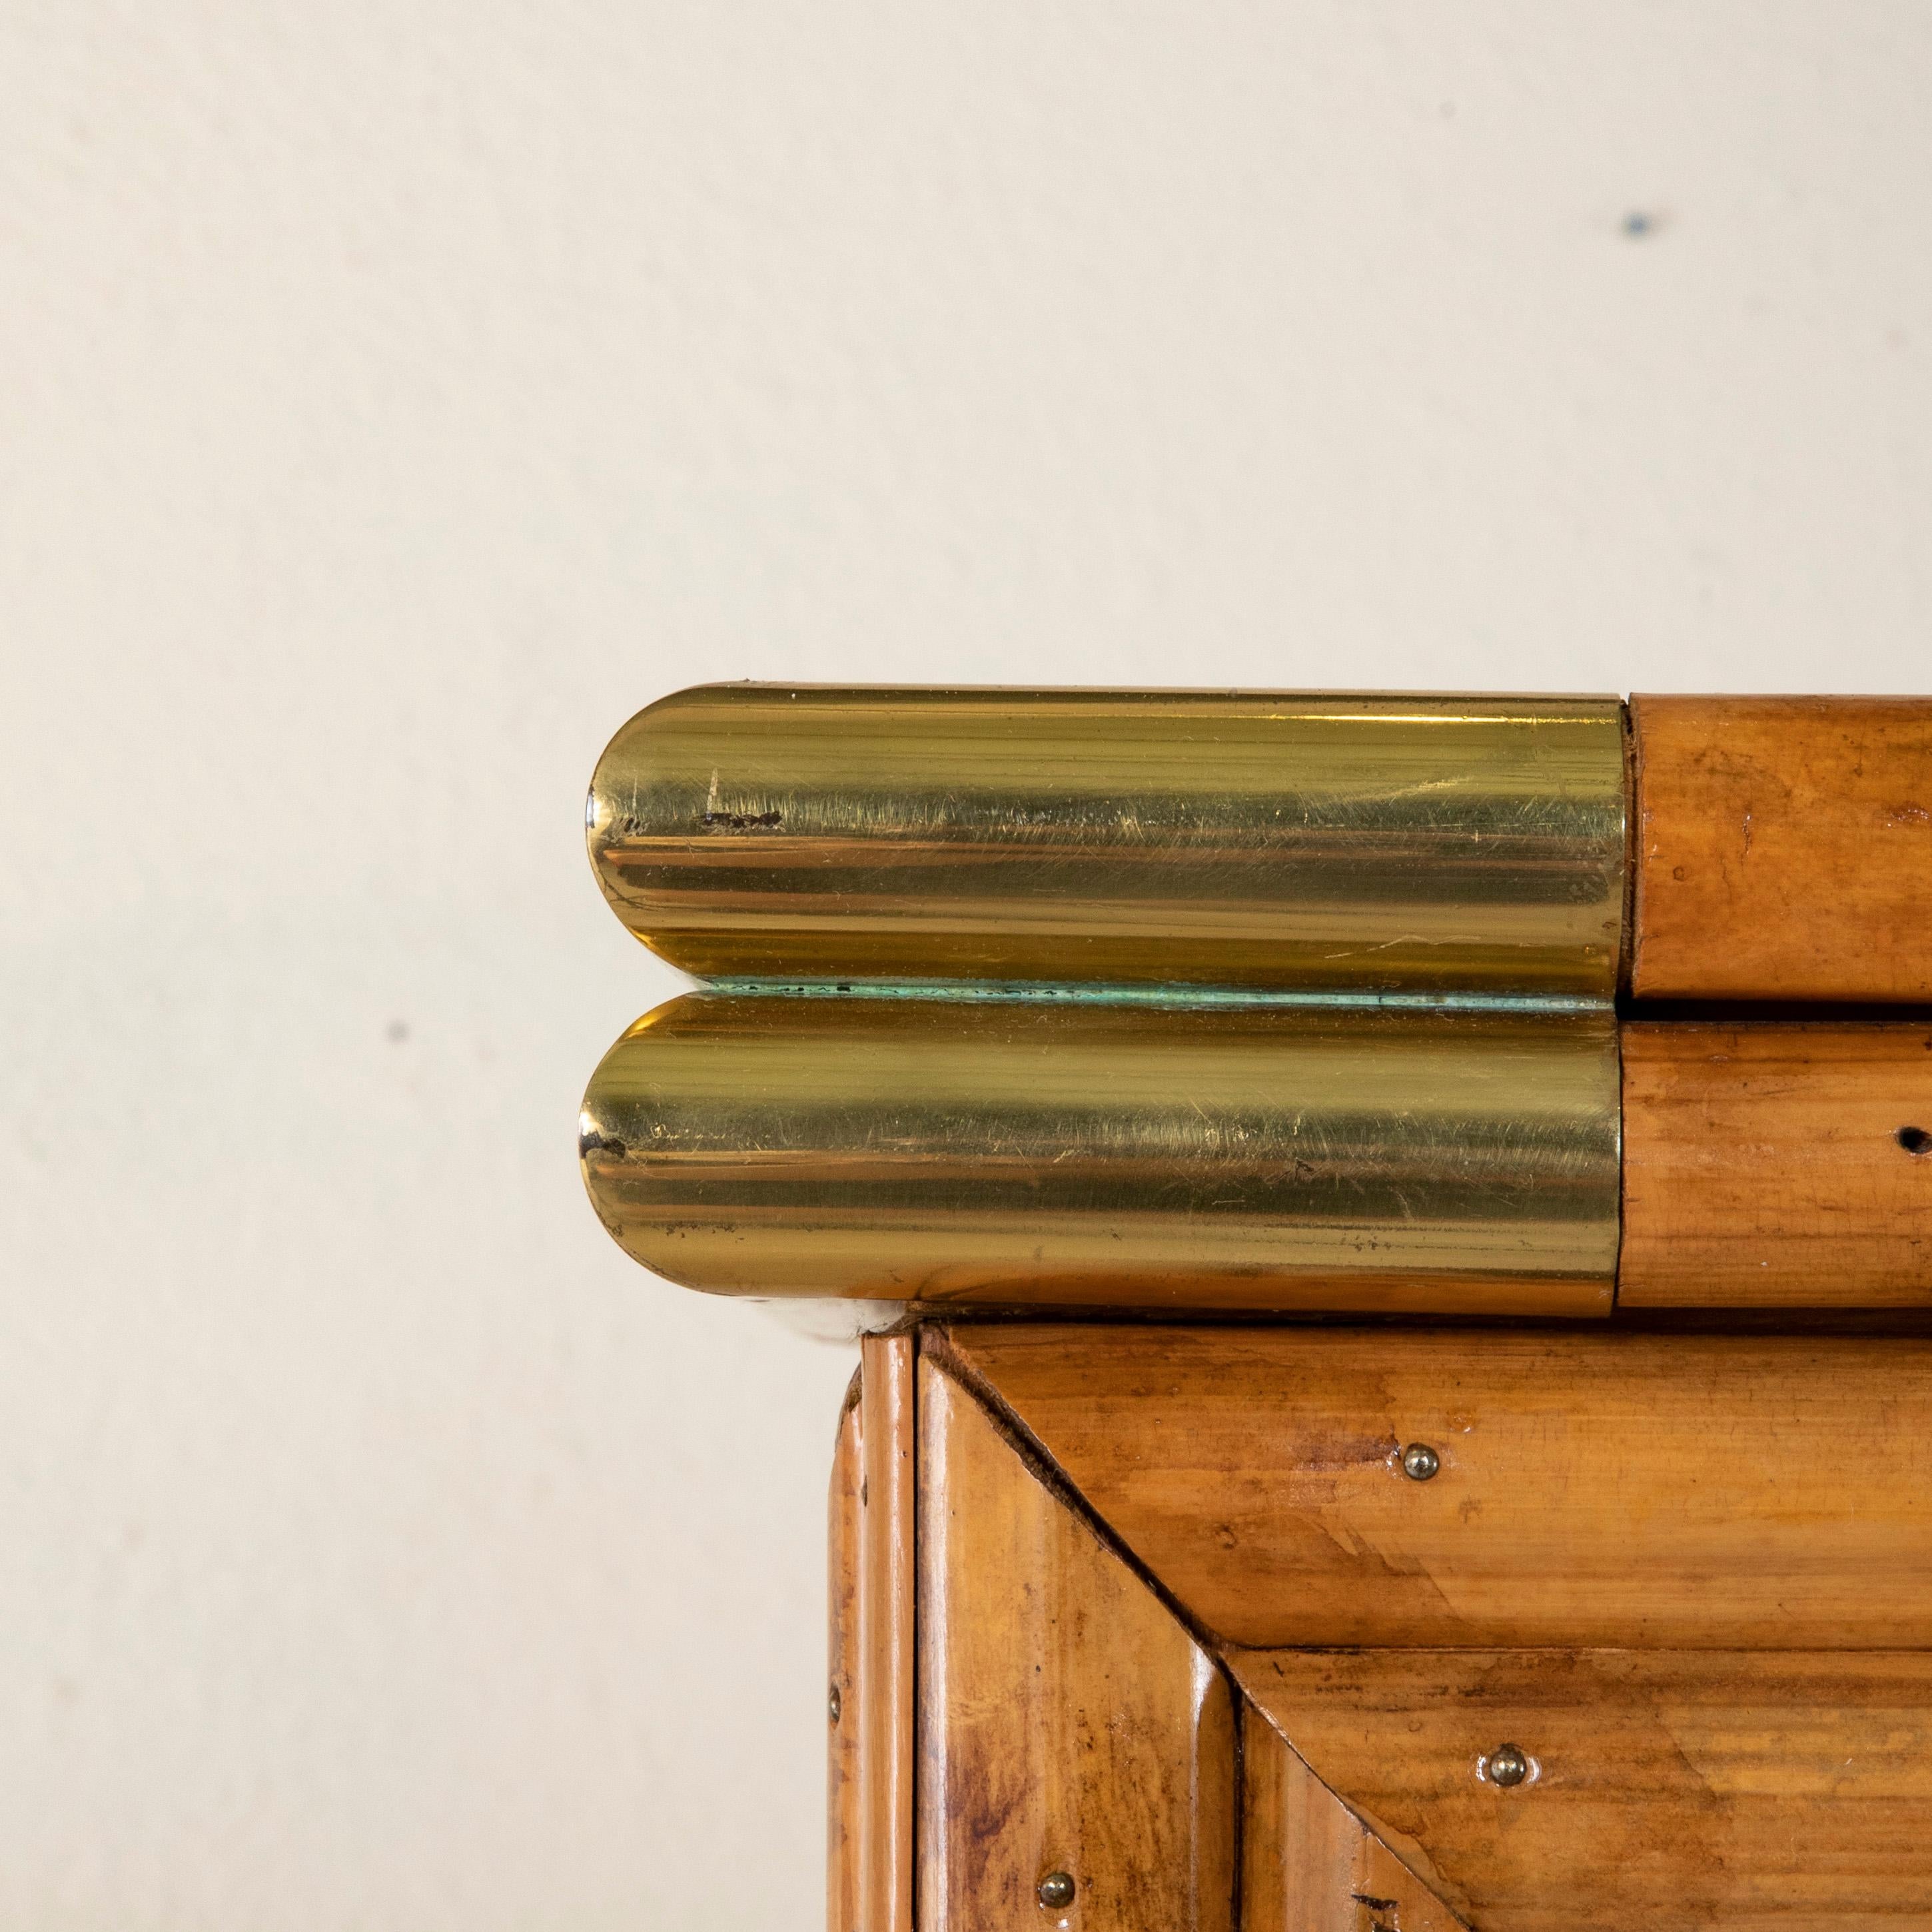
(1777, 1166)
(842, 1711)
(1068, 1723)
(1308, 1863)
(1790, 1792)
(1593, 1486)
(1784, 846)
(886, 1633)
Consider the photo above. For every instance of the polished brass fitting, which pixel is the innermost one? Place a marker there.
(801, 833)
(1064, 1150)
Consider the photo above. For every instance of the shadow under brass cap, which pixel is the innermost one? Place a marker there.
(1057, 1154)
(779, 832)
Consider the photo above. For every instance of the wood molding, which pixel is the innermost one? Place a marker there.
(842, 1904)
(1784, 1165)
(1671, 1789)
(884, 1650)
(1309, 1864)
(1783, 847)
(1594, 1489)
(1076, 1717)
(1069, 1724)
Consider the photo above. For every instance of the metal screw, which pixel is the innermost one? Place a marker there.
(1419, 1462)
(836, 1704)
(1506, 1766)
(1056, 1889)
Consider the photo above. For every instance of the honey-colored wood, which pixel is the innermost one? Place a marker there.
(885, 1601)
(1784, 848)
(841, 1577)
(1784, 1165)
(1308, 1863)
(1786, 1791)
(1068, 1723)
(1596, 1487)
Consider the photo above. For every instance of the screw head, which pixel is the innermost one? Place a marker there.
(1506, 1766)
(1419, 1462)
(835, 1703)
(1056, 1889)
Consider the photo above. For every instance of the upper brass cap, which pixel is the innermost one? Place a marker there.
(1243, 839)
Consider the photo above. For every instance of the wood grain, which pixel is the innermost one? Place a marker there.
(885, 1655)
(842, 1575)
(1787, 1791)
(1596, 1487)
(1768, 1166)
(1308, 1863)
(1784, 848)
(1067, 1722)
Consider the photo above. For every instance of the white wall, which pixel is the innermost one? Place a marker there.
(394, 394)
